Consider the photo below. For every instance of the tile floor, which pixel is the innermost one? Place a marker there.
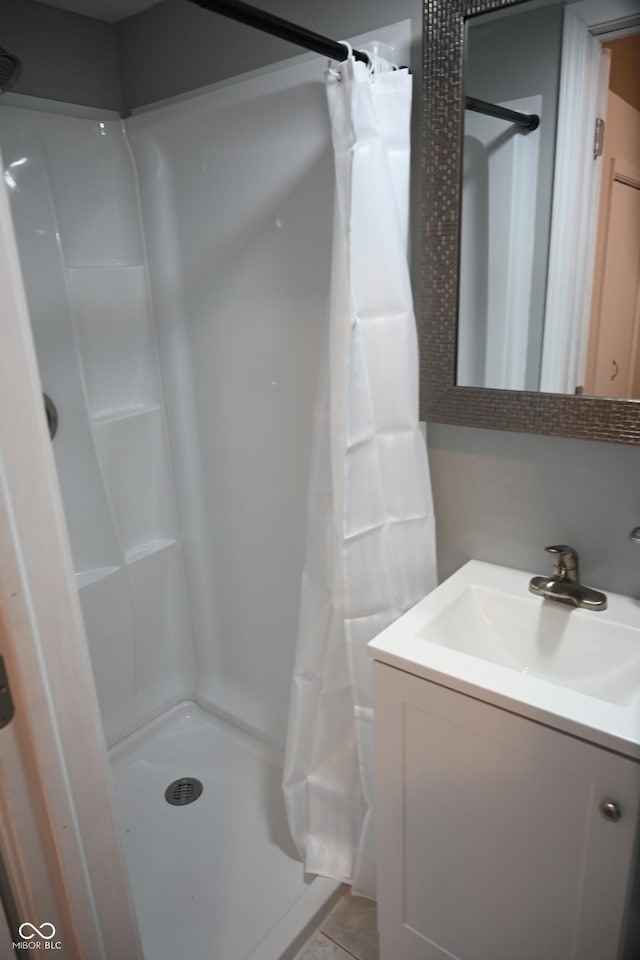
(350, 931)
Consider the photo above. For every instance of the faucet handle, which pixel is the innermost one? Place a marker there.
(565, 562)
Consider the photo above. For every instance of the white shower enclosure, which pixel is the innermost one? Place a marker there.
(176, 268)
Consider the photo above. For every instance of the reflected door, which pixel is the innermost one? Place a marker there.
(617, 371)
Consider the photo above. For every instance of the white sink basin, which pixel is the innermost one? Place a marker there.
(483, 633)
(557, 643)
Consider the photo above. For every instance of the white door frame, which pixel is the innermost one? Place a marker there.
(576, 191)
(58, 838)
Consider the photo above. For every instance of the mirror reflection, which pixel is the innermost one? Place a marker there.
(550, 238)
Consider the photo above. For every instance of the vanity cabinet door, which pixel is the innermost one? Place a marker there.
(490, 840)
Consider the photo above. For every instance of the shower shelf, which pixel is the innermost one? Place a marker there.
(85, 578)
(125, 413)
(79, 267)
(142, 550)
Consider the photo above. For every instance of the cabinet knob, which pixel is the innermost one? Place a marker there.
(610, 811)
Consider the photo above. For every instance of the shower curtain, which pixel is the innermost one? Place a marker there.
(371, 532)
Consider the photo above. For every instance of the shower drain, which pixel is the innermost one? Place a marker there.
(183, 791)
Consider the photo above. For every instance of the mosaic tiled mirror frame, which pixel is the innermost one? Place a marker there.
(441, 401)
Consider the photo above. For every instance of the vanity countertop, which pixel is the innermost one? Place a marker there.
(484, 635)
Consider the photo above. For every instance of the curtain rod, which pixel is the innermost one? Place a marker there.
(530, 121)
(278, 27)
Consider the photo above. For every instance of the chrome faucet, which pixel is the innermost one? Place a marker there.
(564, 586)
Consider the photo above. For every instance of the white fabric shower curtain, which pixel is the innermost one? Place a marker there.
(371, 531)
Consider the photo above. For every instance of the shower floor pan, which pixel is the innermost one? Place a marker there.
(217, 878)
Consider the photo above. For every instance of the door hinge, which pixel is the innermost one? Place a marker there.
(7, 708)
(598, 138)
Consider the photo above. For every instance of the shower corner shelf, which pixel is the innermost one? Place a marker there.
(147, 548)
(104, 265)
(125, 413)
(84, 578)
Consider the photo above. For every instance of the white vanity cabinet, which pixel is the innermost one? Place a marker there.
(492, 839)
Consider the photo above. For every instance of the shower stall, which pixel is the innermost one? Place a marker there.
(176, 267)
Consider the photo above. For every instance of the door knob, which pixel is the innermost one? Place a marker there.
(610, 811)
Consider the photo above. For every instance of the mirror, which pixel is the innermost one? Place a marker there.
(522, 347)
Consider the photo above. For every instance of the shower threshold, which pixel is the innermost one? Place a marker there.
(218, 878)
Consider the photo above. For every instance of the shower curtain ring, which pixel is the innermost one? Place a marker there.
(335, 72)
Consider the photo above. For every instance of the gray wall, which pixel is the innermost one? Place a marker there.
(519, 56)
(503, 497)
(64, 56)
(175, 46)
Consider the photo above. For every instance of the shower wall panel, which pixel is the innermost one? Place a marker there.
(74, 202)
(237, 193)
(237, 189)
